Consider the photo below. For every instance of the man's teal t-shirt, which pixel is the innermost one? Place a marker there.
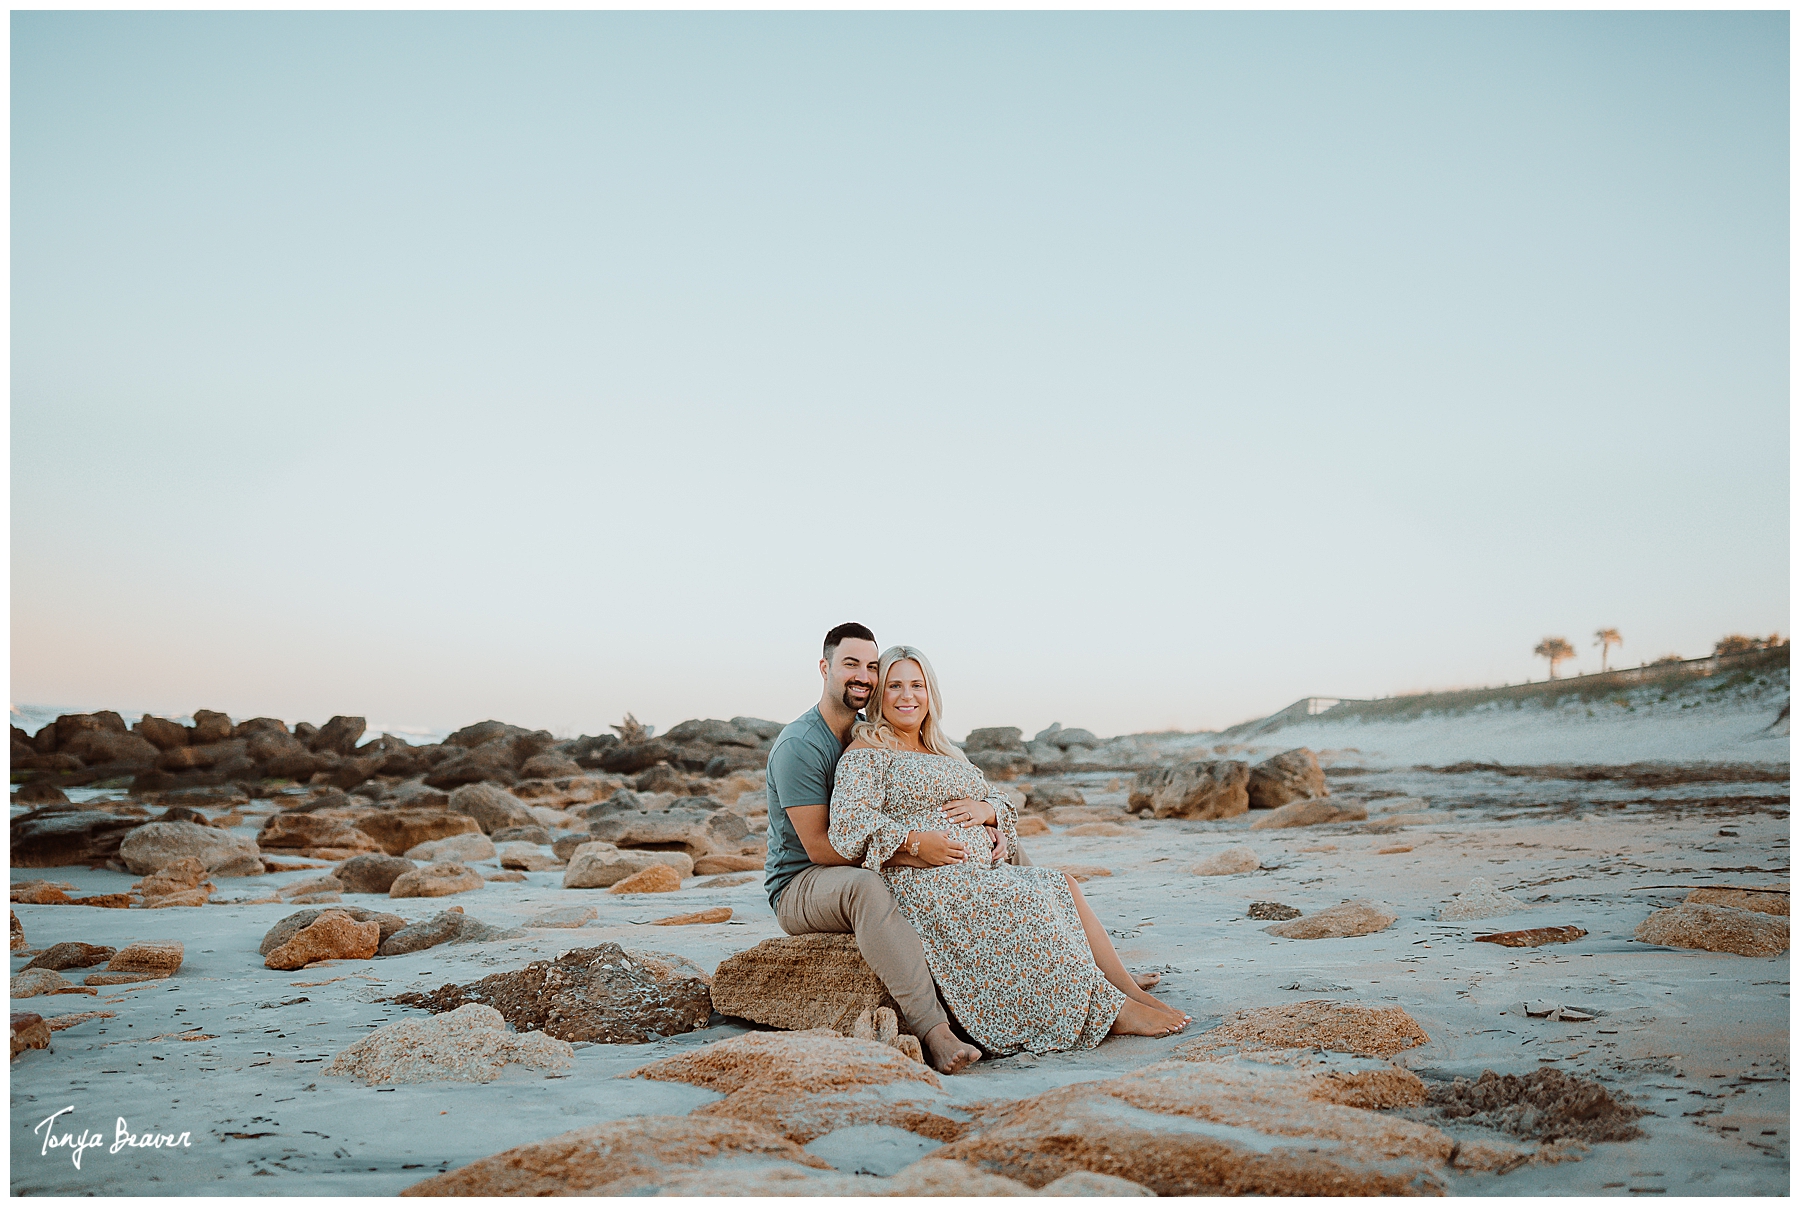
(802, 763)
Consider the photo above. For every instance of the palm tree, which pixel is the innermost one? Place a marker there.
(1556, 649)
(1606, 639)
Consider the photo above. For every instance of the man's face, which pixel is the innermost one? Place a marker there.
(850, 674)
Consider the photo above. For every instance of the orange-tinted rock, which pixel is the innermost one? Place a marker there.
(1756, 900)
(1311, 813)
(141, 961)
(1716, 928)
(799, 982)
(1537, 937)
(311, 831)
(704, 918)
(658, 878)
(334, 936)
(713, 865)
(1321, 1023)
(397, 831)
(29, 1031)
(61, 956)
(1033, 827)
(436, 880)
(1343, 921)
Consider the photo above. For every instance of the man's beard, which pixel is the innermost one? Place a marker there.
(850, 700)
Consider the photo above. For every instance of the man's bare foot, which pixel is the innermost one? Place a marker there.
(949, 1054)
(1147, 980)
(1135, 1018)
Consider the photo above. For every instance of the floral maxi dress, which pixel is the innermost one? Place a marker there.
(1004, 943)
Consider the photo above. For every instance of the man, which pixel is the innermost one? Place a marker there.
(815, 890)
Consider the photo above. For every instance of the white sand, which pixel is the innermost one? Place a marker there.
(1677, 1031)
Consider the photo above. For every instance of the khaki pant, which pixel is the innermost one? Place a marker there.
(846, 900)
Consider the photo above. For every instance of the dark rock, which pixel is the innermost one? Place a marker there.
(566, 845)
(339, 736)
(598, 994)
(70, 724)
(1001, 764)
(71, 955)
(160, 733)
(244, 729)
(451, 926)
(481, 733)
(351, 772)
(698, 831)
(109, 746)
(37, 792)
(293, 924)
(265, 744)
(1202, 790)
(1291, 775)
(371, 873)
(1271, 911)
(588, 750)
(711, 733)
(549, 766)
(297, 767)
(203, 756)
(491, 762)
(631, 758)
(183, 813)
(660, 778)
(54, 838)
(722, 765)
(765, 731)
(306, 731)
(210, 726)
(405, 763)
(1006, 738)
(325, 800)
(536, 834)
(493, 808)
(1545, 1105)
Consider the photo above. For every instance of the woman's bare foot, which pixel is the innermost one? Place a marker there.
(1135, 1018)
(1147, 980)
(949, 1054)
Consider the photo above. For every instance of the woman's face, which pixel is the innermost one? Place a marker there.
(904, 696)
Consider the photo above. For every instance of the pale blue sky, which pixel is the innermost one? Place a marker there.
(1145, 369)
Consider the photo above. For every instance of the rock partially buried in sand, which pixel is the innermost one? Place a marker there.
(470, 1043)
(567, 915)
(628, 1156)
(57, 838)
(1200, 791)
(40, 981)
(156, 844)
(799, 982)
(658, 878)
(334, 936)
(602, 865)
(1229, 862)
(371, 873)
(602, 994)
(292, 925)
(527, 857)
(451, 926)
(436, 880)
(1311, 813)
(1344, 921)
(141, 961)
(1540, 937)
(1289, 776)
(713, 865)
(1320, 1023)
(1479, 900)
(1716, 928)
(1241, 1128)
(807, 1083)
(71, 955)
(705, 917)
(1756, 900)
(1082, 871)
(472, 847)
(29, 1031)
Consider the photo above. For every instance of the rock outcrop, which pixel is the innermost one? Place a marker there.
(599, 994)
(154, 845)
(334, 935)
(1716, 928)
(800, 982)
(1289, 776)
(807, 1083)
(470, 1043)
(1343, 921)
(436, 880)
(1200, 790)
(179, 883)
(627, 1156)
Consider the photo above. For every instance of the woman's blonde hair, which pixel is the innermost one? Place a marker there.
(878, 732)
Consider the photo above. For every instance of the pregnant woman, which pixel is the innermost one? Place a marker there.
(1018, 955)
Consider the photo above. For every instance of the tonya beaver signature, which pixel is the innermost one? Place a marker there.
(80, 1142)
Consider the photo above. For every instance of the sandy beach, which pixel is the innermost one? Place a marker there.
(234, 1054)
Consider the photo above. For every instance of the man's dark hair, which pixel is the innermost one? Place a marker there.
(836, 636)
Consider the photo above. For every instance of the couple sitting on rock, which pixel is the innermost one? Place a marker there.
(879, 826)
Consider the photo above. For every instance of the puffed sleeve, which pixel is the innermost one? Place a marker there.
(859, 828)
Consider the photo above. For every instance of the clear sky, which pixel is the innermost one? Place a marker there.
(1147, 370)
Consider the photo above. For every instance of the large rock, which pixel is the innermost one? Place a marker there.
(371, 873)
(184, 878)
(38, 982)
(436, 880)
(61, 956)
(1292, 775)
(300, 767)
(145, 960)
(97, 747)
(339, 735)
(807, 1083)
(39, 792)
(698, 831)
(157, 844)
(599, 994)
(54, 838)
(1229, 862)
(527, 857)
(1756, 900)
(451, 926)
(602, 865)
(160, 733)
(1208, 1129)
(492, 807)
(536, 836)
(312, 833)
(334, 935)
(998, 737)
(458, 847)
(210, 726)
(1311, 813)
(265, 744)
(799, 982)
(1201, 790)
(1041, 798)
(470, 1043)
(1716, 928)
(626, 1157)
(399, 830)
(288, 927)
(549, 766)
(712, 733)
(205, 756)
(1343, 921)
(1001, 764)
